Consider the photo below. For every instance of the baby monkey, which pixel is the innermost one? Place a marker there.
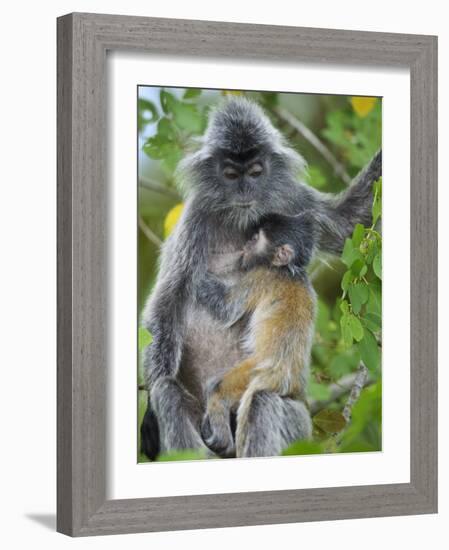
(274, 294)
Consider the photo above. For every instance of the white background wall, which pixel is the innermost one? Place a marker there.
(27, 270)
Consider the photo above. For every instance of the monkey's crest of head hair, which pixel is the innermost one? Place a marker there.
(239, 124)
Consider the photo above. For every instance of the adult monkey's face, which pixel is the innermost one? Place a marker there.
(244, 168)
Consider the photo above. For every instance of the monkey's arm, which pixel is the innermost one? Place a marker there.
(337, 216)
(220, 299)
(183, 259)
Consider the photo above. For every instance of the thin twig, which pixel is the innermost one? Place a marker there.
(308, 135)
(152, 237)
(337, 390)
(157, 187)
(359, 383)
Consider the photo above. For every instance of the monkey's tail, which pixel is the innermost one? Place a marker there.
(149, 434)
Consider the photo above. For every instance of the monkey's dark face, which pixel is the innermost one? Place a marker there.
(241, 184)
(243, 170)
(242, 178)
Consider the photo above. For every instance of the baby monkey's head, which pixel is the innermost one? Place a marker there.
(281, 241)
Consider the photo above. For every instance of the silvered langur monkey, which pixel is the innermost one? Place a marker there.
(242, 171)
(279, 301)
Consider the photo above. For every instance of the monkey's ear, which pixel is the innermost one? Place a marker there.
(283, 255)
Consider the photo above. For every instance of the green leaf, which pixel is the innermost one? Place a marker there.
(374, 319)
(369, 350)
(144, 338)
(347, 279)
(346, 329)
(359, 268)
(356, 328)
(165, 129)
(187, 117)
(344, 306)
(377, 265)
(329, 421)
(159, 147)
(168, 101)
(357, 235)
(153, 147)
(358, 294)
(303, 448)
(374, 304)
(350, 254)
(147, 113)
(192, 93)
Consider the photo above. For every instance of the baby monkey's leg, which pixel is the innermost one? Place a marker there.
(223, 398)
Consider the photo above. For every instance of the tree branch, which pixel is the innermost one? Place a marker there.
(359, 383)
(152, 237)
(157, 187)
(339, 389)
(309, 136)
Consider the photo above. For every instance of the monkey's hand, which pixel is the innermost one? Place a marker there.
(216, 427)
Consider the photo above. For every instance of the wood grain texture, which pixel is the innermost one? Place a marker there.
(83, 40)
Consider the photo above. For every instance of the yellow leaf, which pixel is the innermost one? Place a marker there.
(172, 218)
(363, 105)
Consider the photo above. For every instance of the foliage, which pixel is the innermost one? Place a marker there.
(355, 130)
(348, 320)
(179, 121)
(145, 338)
(362, 434)
(362, 296)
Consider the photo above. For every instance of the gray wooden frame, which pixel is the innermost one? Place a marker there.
(83, 40)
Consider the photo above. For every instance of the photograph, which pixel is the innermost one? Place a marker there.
(259, 274)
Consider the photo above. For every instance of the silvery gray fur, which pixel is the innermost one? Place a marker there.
(219, 216)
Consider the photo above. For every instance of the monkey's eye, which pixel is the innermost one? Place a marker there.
(230, 173)
(255, 170)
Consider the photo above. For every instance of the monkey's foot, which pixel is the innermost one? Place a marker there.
(216, 433)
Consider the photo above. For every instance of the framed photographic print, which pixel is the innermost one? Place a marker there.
(246, 274)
